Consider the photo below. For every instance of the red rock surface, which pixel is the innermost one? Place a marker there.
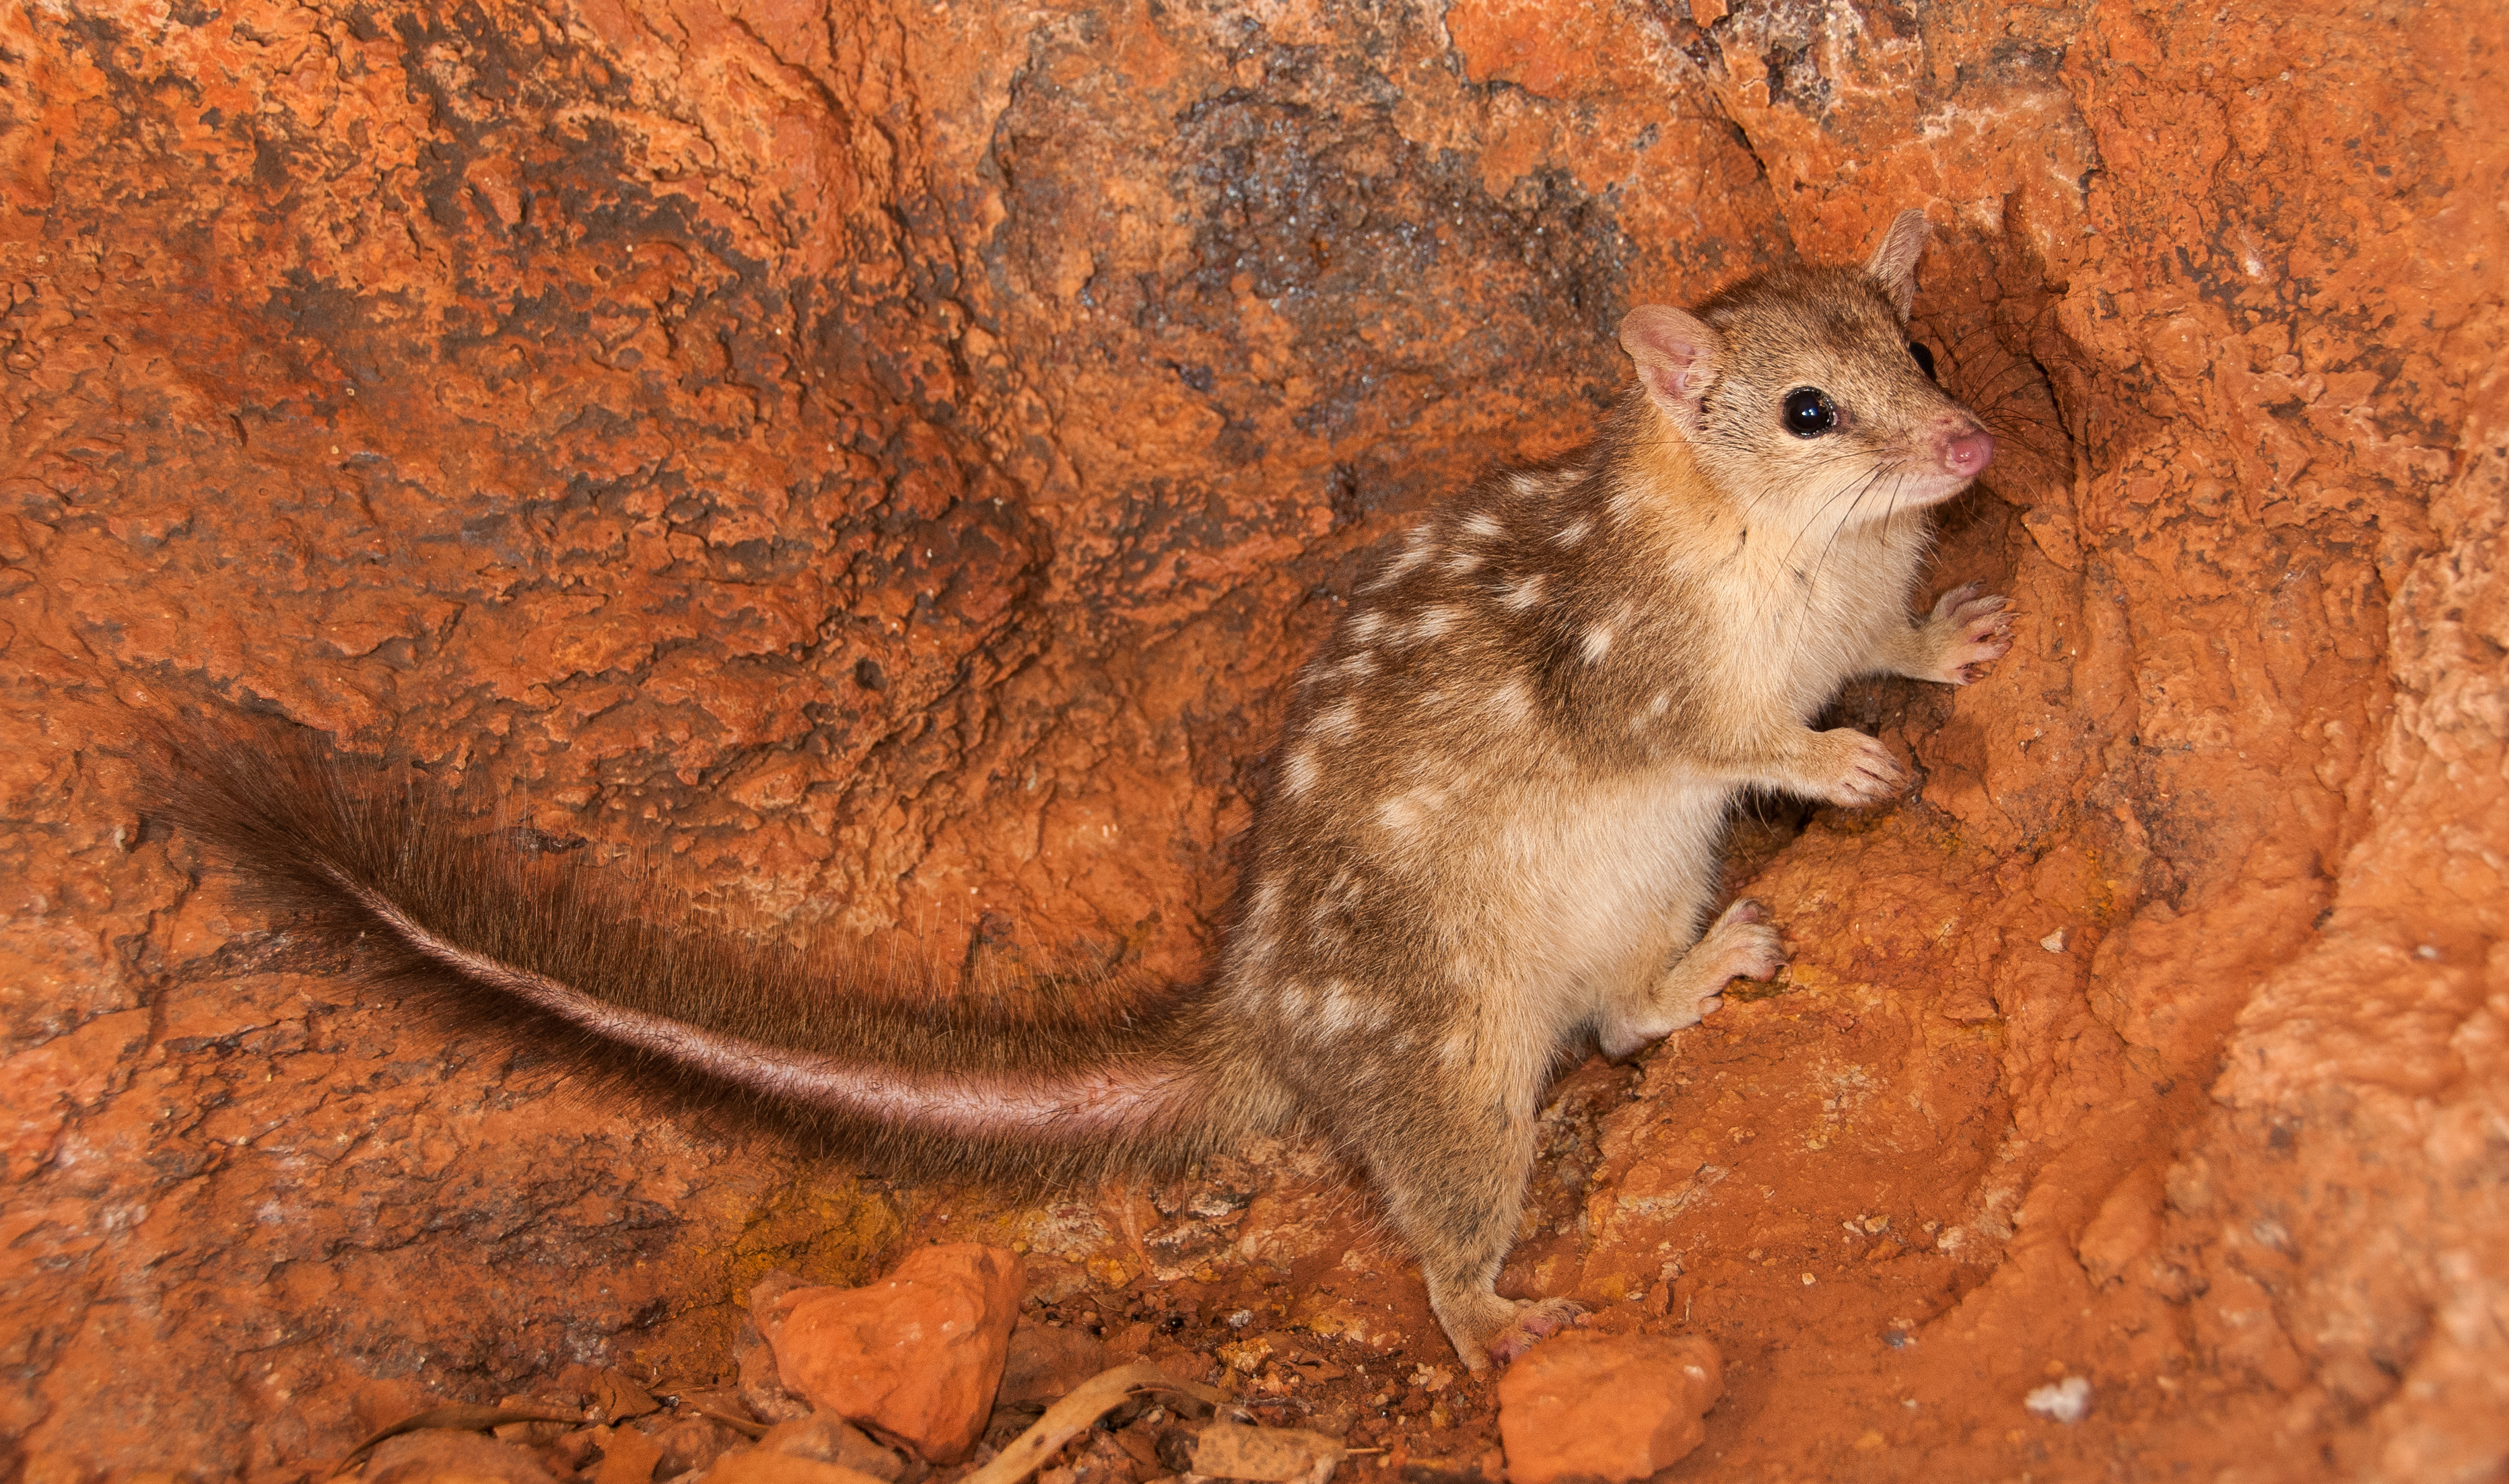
(827, 1439)
(1606, 1406)
(880, 463)
(760, 1466)
(416, 1458)
(917, 1355)
(1040, 1364)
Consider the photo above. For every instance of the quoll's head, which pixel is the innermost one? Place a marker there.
(1799, 388)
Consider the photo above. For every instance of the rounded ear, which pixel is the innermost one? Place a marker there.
(1893, 264)
(1677, 355)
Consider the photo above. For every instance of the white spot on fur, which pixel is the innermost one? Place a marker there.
(1457, 1049)
(1663, 702)
(1525, 593)
(1337, 723)
(1482, 523)
(1512, 702)
(1415, 550)
(1404, 811)
(1339, 1011)
(1432, 623)
(1363, 626)
(1527, 484)
(1574, 532)
(1299, 774)
(1266, 903)
(1598, 643)
(1463, 562)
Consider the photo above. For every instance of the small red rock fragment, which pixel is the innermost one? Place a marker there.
(826, 1438)
(569, 1453)
(693, 1442)
(917, 1355)
(618, 1398)
(1233, 1451)
(413, 1457)
(628, 1456)
(1045, 1362)
(607, 1395)
(762, 1385)
(756, 1465)
(1606, 1406)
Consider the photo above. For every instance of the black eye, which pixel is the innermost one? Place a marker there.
(1925, 359)
(1809, 412)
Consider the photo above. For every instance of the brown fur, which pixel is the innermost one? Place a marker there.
(1493, 840)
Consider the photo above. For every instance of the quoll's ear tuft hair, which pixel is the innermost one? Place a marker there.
(1677, 355)
(1893, 264)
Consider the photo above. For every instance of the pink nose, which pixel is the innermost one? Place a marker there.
(1968, 455)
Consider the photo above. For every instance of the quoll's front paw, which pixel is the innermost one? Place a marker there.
(1859, 770)
(1971, 629)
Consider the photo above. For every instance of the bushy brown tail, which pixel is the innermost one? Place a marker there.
(562, 958)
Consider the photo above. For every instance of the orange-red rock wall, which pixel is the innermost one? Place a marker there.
(883, 461)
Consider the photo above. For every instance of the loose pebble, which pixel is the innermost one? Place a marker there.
(432, 1453)
(1047, 1360)
(628, 1456)
(917, 1355)
(1612, 1407)
(2066, 1401)
(756, 1465)
(826, 1439)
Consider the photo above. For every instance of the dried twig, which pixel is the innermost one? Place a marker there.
(1072, 1415)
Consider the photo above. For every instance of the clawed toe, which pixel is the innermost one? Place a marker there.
(1533, 1324)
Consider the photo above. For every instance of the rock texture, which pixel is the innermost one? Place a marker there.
(760, 1466)
(1606, 1407)
(414, 1457)
(917, 1355)
(878, 465)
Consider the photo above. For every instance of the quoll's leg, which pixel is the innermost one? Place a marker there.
(1740, 945)
(1450, 1161)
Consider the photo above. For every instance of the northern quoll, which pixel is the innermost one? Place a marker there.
(1492, 838)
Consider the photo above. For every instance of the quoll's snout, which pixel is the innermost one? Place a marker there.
(1966, 449)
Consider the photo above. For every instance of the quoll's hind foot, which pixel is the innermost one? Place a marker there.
(1739, 945)
(1538, 1319)
(1971, 629)
(1486, 1328)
